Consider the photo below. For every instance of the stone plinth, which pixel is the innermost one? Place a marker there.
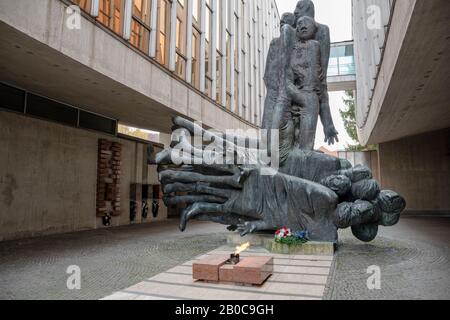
(226, 273)
(249, 270)
(267, 241)
(256, 239)
(253, 270)
(308, 248)
(208, 269)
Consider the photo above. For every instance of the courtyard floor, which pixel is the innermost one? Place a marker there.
(414, 258)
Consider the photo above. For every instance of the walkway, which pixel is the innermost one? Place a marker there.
(295, 277)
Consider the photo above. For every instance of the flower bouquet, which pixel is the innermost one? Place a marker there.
(285, 236)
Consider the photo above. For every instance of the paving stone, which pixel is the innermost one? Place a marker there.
(413, 256)
(110, 259)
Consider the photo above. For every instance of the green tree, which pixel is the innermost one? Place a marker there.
(349, 117)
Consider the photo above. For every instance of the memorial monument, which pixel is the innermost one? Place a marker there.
(310, 191)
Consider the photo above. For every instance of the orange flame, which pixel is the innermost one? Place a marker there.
(242, 248)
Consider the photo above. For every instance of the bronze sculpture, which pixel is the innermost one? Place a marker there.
(310, 191)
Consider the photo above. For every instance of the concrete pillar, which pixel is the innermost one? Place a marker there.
(127, 17)
(95, 8)
(172, 39)
(153, 27)
(190, 9)
(214, 49)
(202, 44)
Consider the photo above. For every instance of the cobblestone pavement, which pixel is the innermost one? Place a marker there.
(110, 259)
(414, 258)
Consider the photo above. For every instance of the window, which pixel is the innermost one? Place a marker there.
(196, 12)
(236, 89)
(229, 71)
(219, 56)
(84, 5)
(180, 40)
(249, 78)
(51, 110)
(237, 34)
(208, 51)
(163, 28)
(48, 109)
(196, 34)
(12, 98)
(111, 14)
(92, 121)
(195, 58)
(219, 77)
(140, 25)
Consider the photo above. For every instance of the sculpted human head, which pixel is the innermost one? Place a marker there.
(287, 18)
(304, 8)
(306, 28)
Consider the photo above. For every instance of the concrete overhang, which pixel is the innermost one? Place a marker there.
(341, 83)
(96, 70)
(411, 95)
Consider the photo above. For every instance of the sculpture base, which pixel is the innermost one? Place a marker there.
(308, 248)
(267, 241)
(255, 239)
(248, 271)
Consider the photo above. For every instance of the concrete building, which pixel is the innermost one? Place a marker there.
(68, 77)
(403, 101)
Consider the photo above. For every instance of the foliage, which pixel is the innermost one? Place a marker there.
(285, 236)
(292, 240)
(349, 117)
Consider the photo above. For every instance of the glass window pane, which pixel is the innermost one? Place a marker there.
(196, 12)
(94, 122)
(84, 5)
(195, 58)
(141, 11)
(12, 98)
(51, 110)
(163, 26)
(180, 66)
(219, 77)
(236, 89)
(140, 25)
(228, 55)
(219, 17)
(140, 36)
(111, 14)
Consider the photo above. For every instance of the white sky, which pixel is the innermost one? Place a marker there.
(337, 14)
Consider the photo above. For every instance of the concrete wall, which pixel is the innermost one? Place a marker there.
(48, 175)
(419, 169)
